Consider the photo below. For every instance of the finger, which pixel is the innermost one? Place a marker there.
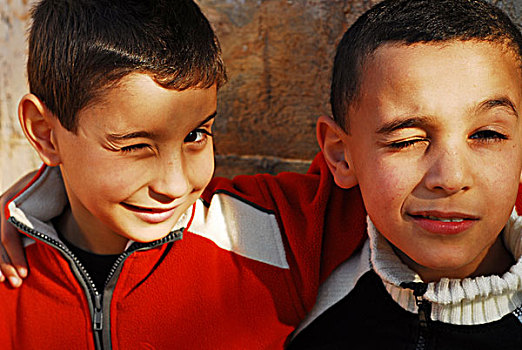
(13, 257)
(13, 247)
(8, 270)
(13, 265)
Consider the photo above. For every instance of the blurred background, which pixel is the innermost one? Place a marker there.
(278, 54)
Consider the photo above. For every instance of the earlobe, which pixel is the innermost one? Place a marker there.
(332, 140)
(38, 124)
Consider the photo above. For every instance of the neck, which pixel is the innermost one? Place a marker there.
(74, 234)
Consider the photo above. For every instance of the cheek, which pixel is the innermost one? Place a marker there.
(385, 187)
(499, 183)
(110, 178)
(500, 173)
(110, 185)
(201, 168)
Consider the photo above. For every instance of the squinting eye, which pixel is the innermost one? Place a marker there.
(134, 147)
(405, 144)
(197, 135)
(488, 136)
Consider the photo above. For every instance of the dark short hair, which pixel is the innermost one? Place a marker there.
(80, 48)
(409, 22)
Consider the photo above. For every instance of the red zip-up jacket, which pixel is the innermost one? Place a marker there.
(239, 271)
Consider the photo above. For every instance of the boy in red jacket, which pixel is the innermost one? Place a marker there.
(129, 246)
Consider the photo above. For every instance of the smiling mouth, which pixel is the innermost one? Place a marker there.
(150, 215)
(444, 223)
(436, 218)
(146, 210)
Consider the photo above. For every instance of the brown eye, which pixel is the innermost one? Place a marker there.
(197, 135)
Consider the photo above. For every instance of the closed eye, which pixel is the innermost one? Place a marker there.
(399, 145)
(133, 148)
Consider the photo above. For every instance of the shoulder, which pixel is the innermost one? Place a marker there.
(242, 227)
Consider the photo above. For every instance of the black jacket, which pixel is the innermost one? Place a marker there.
(370, 302)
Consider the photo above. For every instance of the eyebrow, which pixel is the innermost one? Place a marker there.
(498, 102)
(412, 122)
(207, 119)
(130, 135)
(146, 134)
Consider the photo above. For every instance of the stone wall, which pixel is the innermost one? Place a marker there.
(16, 156)
(278, 54)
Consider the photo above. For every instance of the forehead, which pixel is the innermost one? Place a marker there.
(437, 78)
(138, 102)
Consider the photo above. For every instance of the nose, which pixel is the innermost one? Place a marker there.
(449, 169)
(170, 179)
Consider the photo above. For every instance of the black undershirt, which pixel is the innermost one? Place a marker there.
(97, 266)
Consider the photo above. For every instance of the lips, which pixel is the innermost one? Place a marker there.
(150, 215)
(444, 223)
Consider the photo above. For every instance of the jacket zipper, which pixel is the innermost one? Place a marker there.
(518, 313)
(424, 312)
(173, 236)
(94, 296)
(98, 313)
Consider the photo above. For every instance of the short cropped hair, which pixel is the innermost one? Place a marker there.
(80, 48)
(409, 22)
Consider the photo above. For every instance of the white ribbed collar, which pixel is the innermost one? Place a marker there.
(465, 302)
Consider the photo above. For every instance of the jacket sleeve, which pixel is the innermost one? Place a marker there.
(321, 224)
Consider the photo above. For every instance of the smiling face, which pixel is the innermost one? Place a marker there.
(140, 158)
(435, 146)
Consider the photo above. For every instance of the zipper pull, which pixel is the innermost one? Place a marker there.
(424, 306)
(424, 311)
(98, 313)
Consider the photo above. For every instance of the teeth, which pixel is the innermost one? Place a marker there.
(444, 219)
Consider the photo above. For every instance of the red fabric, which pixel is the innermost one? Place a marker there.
(308, 206)
(192, 294)
(49, 311)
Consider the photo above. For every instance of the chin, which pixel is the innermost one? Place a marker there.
(150, 237)
(450, 268)
(146, 234)
(448, 263)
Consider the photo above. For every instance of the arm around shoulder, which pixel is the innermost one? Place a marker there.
(13, 265)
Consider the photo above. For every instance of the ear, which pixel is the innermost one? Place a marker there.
(38, 124)
(332, 140)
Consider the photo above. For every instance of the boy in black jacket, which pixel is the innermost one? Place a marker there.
(426, 98)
